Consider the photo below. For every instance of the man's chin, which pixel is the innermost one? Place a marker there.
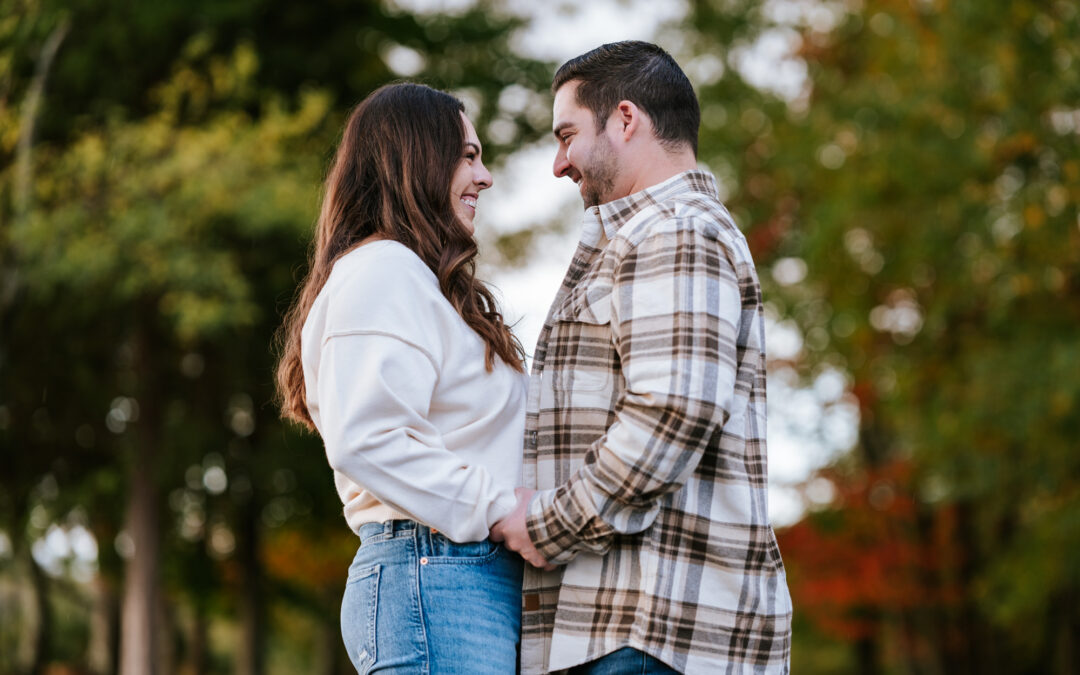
(589, 197)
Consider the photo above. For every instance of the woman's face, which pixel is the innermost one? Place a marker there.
(470, 177)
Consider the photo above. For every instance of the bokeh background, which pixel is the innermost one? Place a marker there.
(907, 173)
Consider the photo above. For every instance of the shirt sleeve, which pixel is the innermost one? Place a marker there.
(676, 309)
(375, 394)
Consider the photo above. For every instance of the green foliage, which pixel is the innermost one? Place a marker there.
(155, 208)
(928, 181)
(120, 217)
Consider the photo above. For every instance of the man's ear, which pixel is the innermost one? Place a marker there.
(630, 119)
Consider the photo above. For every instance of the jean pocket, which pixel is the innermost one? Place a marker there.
(445, 551)
(358, 613)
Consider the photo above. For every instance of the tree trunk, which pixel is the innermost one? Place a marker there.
(9, 285)
(874, 445)
(166, 636)
(926, 626)
(969, 635)
(866, 656)
(32, 616)
(250, 661)
(197, 650)
(31, 105)
(1066, 616)
(138, 634)
(40, 585)
(100, 652)
(330, 631)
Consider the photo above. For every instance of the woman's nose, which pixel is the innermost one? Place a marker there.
(481, 176)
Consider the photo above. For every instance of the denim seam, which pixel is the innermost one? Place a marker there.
(387, 536)
(465, 560)
(420, 602)
(373, 621)
(362, 573)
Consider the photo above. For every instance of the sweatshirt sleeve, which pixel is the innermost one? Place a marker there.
(375, 392)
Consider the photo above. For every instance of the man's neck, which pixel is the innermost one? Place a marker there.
(658, 167)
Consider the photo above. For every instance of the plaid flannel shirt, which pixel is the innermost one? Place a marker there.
(645, 436)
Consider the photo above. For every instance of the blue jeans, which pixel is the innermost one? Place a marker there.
(625, 661)
(416, 602)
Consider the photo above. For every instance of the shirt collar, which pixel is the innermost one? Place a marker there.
(615, 214)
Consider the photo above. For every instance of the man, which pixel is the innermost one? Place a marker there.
(645, 432)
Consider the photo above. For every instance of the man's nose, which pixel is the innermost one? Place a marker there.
(562, 165)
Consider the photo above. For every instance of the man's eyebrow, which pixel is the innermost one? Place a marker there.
(559, 129)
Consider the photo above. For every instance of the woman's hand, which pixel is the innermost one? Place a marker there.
(511, 531)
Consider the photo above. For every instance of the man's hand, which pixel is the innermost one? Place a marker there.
(511, 531)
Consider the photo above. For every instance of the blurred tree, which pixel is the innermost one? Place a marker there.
(159, 171)
(122, 236)
(917, 204)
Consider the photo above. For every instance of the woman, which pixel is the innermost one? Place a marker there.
(398, 356)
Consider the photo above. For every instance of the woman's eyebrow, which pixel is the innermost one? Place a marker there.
(474, 146)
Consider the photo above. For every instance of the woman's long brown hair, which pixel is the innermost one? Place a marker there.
(391, 179)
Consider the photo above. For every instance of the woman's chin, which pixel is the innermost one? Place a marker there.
(466, 219)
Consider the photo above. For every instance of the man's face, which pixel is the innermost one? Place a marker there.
(584, 155)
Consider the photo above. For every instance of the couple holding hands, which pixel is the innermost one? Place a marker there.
(605, 514)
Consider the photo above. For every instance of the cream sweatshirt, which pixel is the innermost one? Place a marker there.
(414, 426)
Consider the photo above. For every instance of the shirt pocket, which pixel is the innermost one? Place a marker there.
(581, 353)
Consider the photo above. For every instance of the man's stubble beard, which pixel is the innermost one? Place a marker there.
(599, 176)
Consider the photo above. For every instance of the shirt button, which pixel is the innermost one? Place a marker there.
(423, 561)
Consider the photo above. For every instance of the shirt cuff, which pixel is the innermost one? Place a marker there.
(564, 521)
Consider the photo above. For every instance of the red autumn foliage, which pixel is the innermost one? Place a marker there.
(865, 555)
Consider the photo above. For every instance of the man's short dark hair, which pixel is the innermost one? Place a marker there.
(642, 73)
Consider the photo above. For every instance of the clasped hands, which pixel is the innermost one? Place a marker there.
(511, 531)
